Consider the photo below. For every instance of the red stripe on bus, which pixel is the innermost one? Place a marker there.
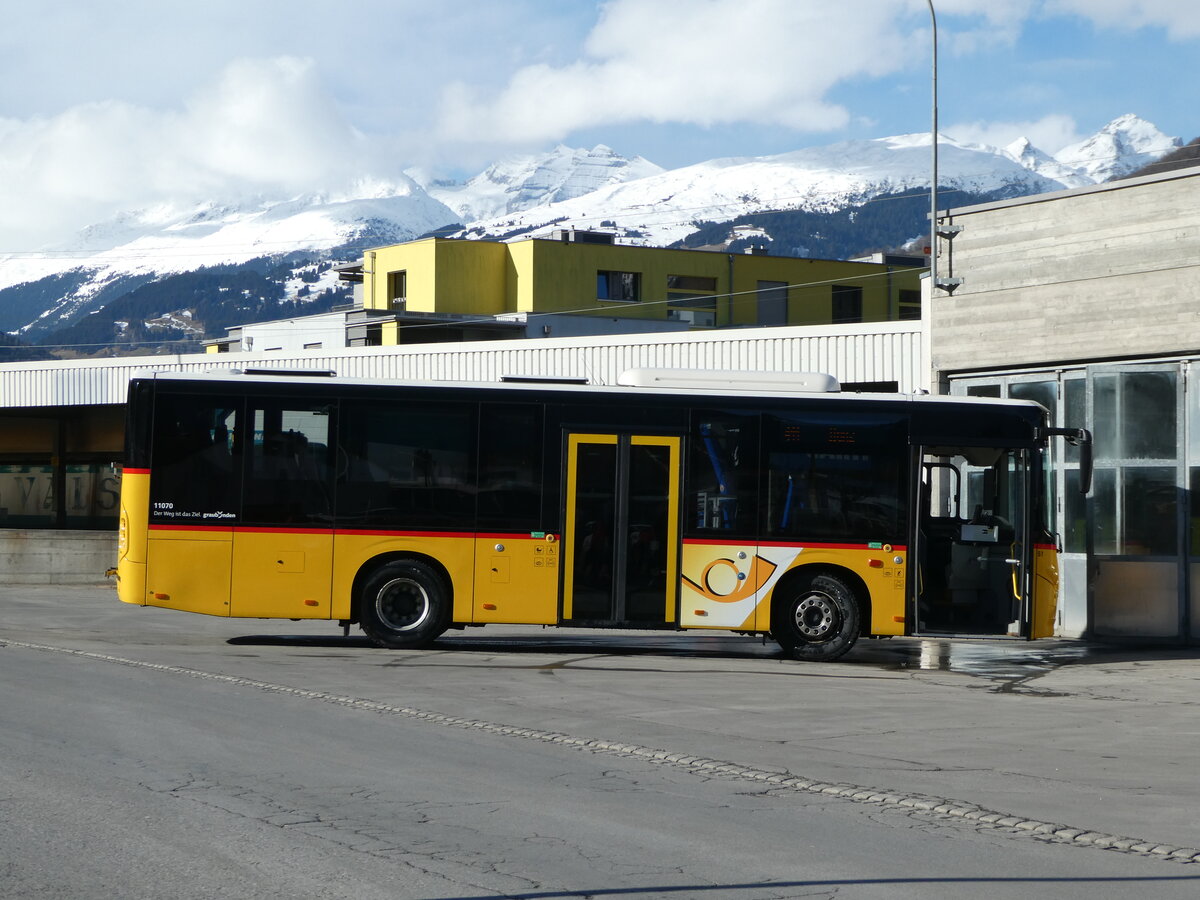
(516, 536)
(157, 527)
(814, 545)
(271, 529)
(802, 545)
(268, 529)
(370, 532)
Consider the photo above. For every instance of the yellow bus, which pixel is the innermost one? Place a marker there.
(754, 503)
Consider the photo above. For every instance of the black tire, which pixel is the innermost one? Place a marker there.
(404, 604)
(817, 619)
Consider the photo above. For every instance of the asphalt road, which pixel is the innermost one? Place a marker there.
(149, 753)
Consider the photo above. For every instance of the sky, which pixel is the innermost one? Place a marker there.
(113, 105)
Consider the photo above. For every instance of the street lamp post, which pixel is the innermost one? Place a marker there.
(946, 284)
(933, 140)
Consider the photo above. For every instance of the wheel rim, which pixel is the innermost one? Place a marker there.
(403, 604)
(816, 617)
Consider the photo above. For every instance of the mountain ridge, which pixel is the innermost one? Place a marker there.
(44, 293)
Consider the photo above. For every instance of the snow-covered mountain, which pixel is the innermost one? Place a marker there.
(151, 243)
(522, 182)
(1044, 164)
(183, 238)
(664, 208)
(595, 188)
(1123, 145)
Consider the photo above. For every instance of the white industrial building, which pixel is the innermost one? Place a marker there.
(62, 423)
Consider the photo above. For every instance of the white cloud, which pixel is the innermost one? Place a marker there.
(1180, 18)
(999, 24)
(268, 122)
(266, 126)
(1050, 133)
(111, 107)
(726, 61)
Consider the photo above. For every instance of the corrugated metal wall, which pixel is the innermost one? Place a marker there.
(885, 351)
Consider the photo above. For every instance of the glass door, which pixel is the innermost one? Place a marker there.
(621, 540)
(1136, 517)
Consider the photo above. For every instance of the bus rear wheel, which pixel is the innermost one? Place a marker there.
(404, 604)
(818, 620)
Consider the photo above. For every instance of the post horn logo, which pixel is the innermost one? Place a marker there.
(744, 585)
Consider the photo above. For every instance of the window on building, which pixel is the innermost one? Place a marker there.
(58, 470)
(700, 318)
(983, 390)
(847, 304)
(910, 305)
(691, 283)
(623, 286)
(1135, 494)
(364, 336)
(397, 288)
(772, 299)
(691, 298)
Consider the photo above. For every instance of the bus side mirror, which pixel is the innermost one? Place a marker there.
(1085, 461)
(1081, 438)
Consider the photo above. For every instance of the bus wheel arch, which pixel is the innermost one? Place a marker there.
(818, 612)
(403, 600)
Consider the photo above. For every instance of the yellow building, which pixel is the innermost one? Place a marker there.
(582, 273)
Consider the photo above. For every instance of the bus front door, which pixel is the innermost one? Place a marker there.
(974, 556)
(621, 530)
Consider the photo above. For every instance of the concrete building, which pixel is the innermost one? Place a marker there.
(1088, 301)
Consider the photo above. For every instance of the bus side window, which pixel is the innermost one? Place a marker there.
(407, 465)
(287, 478)
(835, 476)
(510, 467)
(193, 474)
(722, 477)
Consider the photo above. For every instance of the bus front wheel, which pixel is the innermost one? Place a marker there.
(817, 620)
(404, 604)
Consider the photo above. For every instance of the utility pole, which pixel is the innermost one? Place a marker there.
(946, 284)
